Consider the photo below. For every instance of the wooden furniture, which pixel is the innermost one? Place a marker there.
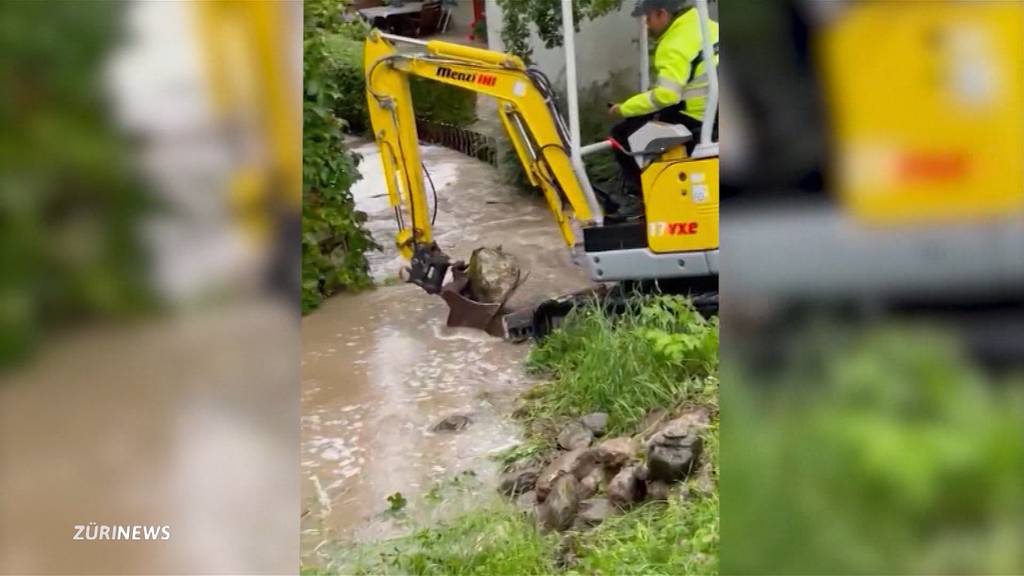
(427, 22)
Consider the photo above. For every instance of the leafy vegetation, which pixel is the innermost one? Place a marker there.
(442, 103)
(431, 100)
(546, 18)
(345, 62)
(596, 125)
(72, 202)
(396, 502)
(888, 454)
(333, 238)
(657, 353)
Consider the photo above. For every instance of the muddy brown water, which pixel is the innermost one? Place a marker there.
(380, 368)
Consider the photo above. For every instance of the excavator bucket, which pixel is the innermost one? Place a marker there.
(465, 311)
(429, 267)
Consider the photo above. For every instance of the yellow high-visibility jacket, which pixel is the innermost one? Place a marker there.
(681, 69)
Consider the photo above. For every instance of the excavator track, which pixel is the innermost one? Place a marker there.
(537, 322)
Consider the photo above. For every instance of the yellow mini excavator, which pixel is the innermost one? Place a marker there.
(675, 242)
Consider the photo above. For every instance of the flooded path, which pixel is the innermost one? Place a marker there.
(380, 369)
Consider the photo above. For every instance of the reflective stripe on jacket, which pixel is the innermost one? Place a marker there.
(681, 70)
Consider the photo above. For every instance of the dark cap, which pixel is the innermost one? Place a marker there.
(645, 6)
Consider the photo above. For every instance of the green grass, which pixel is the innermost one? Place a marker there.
(677, 537)
(659, 353)
(495, 540)
(680, 537)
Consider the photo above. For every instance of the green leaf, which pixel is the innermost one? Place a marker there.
(396, 502)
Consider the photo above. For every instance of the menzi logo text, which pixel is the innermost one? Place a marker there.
(672, 228)
(482, 79)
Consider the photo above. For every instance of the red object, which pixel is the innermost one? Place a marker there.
(478, 15)
(672, 228)
(934, 166)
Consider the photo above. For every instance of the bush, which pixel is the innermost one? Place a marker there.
(546, 17)
(431, 100)
(72, 206)
(345, 64)
(888, 453)
(441, 103)
(333, 238)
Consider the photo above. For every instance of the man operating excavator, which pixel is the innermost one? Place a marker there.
(679, 93)
(674, 249)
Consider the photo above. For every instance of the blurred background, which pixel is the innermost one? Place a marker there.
(872, 327)
(872, 221)
(149, 198)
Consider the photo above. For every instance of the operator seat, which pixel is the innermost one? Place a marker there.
(656, 137)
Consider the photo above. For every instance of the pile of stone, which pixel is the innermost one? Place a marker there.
(591, 478)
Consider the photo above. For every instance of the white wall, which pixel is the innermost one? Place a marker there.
(462, 17)
(609, 44)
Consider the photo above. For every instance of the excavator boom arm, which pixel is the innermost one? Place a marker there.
(524, 105)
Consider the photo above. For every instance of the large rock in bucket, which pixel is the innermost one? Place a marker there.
(492, 274)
